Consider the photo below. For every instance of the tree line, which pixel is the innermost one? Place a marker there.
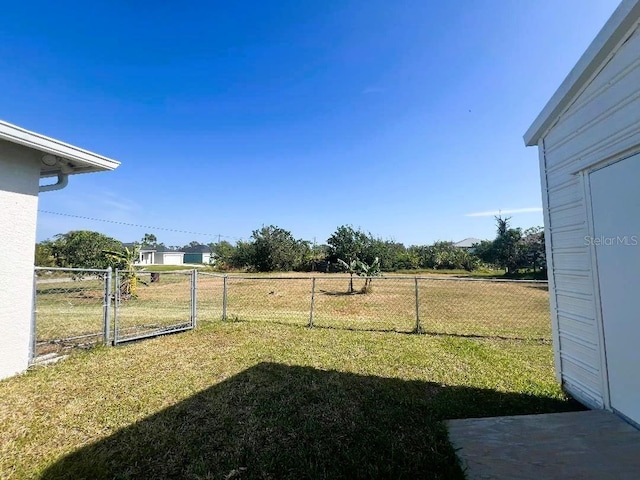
(271, 248)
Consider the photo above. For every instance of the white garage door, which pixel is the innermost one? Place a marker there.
(615, 193)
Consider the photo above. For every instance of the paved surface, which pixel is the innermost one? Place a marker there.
(577, 445)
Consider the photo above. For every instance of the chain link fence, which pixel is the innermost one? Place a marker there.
(83, 307)
(447, 306)
(210, 296)
(149, 304)
(71, 309)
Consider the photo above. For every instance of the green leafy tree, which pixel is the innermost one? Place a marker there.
(276, 249)
(149, 240)
(347, 244)
(222, 253)
(532, 249)
(512, 249)
(243, 256)
(44, 254)
(83, 249)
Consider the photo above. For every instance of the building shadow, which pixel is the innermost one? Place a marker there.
(278, 421)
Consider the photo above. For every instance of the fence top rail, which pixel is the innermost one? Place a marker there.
(385, 277)
(474, 279)
(73, 269)
(173, 272)
(211, 274)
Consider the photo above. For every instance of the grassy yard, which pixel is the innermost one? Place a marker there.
(256, 399)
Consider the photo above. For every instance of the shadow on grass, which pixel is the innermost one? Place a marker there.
(279, 421)
(340, 293)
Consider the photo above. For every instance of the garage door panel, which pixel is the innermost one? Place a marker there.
(615, 200)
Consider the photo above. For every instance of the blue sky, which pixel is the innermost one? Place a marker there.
(403, 118)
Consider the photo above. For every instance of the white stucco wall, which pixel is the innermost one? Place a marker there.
(19, 179)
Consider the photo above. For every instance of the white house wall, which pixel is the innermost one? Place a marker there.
(170, 258)
(602, 123)
(19, 177)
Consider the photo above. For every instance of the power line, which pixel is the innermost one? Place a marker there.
(149, 227)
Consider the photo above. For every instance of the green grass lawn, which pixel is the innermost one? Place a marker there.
(254, 399)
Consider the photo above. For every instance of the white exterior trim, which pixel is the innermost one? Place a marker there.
(555, 331)
(586, 188)
(622, 23)
(83, 160)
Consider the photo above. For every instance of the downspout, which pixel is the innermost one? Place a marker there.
(63, 175)
(63, 181)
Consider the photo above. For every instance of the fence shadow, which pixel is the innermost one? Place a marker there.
(408, 331)
(280, 421)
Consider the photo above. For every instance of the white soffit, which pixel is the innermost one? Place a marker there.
(75, 159)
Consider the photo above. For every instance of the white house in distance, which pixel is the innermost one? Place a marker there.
(588, 137)
(25, 158)
(169, 257)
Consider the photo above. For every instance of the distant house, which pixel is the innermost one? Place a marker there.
(165, 256)
(467, 244)
(25, 158)
(146, 256)
(197, 254)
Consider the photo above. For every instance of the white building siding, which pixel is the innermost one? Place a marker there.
(19, 177)
(169, 258)
(604, 121)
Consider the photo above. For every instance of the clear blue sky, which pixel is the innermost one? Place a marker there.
(399, 117)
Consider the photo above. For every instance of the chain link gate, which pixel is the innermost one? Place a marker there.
(71, 309)
(149, 304)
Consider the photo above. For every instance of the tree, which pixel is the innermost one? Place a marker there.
(351, 268)
(276, 249)
(44, 254)
(149, 240)
(83, 249)
(125, 260)
(532, 248)
(368, 271)
(347, 244)
(243, 255)
(222, 253)
(512, 249)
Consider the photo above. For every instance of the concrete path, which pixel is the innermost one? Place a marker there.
(577, 445)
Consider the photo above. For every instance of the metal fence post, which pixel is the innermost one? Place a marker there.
(116, 307)
(418, 328)
(313, 294)
(224, 298)
(34, 317)
(194, 297)
(107, 306)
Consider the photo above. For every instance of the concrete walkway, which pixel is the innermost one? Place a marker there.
(577, 445)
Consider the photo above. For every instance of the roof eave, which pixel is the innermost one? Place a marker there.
(614, 32)
(83, 160)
